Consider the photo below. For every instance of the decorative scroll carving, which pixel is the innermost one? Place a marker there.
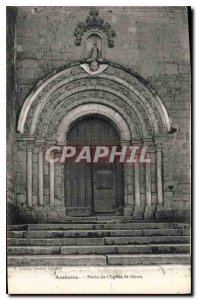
(89, 96)
(92, 96)
(98, 82)
(93, 21)
(78, 78)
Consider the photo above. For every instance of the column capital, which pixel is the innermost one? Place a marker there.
(163, 143)
(40, 145)
(21, 145)
(30, 145)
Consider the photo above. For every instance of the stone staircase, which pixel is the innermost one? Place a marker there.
(99, 242)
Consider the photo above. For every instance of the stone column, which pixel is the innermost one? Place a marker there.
(128, 195)
(148, 184)
(149, 208)
(30, 146)
(138, 208)
(51, 182)
(163, 210)
(159, 174)
(137, 184)
(128, 191)
(40, 146)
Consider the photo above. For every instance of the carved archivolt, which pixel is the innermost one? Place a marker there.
(92, 108)
(115, 93)
(45, 107)
(50, 127)
(57, 109)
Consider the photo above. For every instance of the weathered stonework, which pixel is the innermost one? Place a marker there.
(151, 95)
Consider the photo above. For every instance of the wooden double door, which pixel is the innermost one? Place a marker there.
(93, 188)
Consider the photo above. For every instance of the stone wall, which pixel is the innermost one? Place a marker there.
(11, 117)
(151, 41)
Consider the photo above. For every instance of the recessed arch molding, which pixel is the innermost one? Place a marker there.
(138, 105)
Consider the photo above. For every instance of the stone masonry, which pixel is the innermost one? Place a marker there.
(152, 42)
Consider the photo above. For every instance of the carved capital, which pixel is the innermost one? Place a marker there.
(21, 145)
(39, 146)
(30, 145)
(163, 144)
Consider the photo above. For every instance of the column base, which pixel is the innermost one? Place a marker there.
(26, 215)
(138, 213)
(40, 214)
(128, 210)
(149, 213)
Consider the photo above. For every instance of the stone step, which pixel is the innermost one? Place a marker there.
(147, 240)
(60, 260)
(148, 259)
(99, 226)
(95, 233)
(33, 250)
(119, 226)
(182, 226)
(81, 250)
(155, 232)
(98, 260)
(55, 242)
(82, 233)
(17, 227)
(108, 219)
(98, 241)
(131, 249)
(17, 234)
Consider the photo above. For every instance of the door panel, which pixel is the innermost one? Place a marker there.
(104, 188)
(92, 188)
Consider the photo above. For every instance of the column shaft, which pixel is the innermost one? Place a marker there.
(51, 182)
(29, 177)
(137, 183)
(40, 176)
(148, 185)
(159, 177)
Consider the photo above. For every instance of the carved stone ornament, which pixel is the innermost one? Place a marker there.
(30, 145)
(21, 145)
(89, 70)
(39, 146)
(112, 80)
(165, 144)
(93, 21)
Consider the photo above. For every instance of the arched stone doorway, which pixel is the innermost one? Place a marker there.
(93, 188)
(114, 93)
